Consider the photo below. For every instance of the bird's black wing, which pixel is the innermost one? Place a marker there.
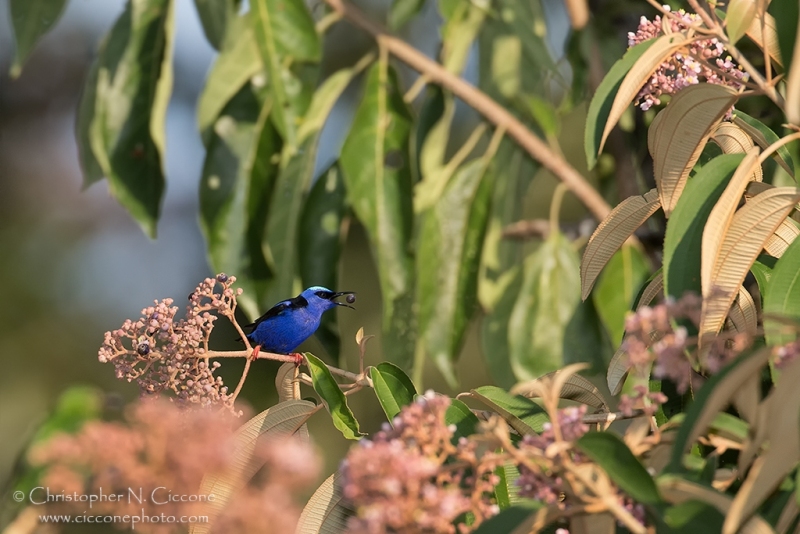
(291, 304)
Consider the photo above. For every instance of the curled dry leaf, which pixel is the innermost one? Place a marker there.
(749, 229)
(288, 388)
(734, 140)
(778, 242)
(743, 313)
(612, 233)
(681, 135)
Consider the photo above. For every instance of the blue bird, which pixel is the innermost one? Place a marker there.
(290, 322)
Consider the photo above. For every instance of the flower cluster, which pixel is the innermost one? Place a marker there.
(413, 477)
(652, 336)
(161, 454)
(648, 401)
(162, 353)
(700, 60)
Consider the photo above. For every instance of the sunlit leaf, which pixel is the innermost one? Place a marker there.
(603, 99)
(336, 402)
(377, 173)
(282, 420)
(327, 510)
(766, 36)
(740, 14)
(123, 115)
(237, 63)
(462, 23)
(576, 388)
(31, 19)
(289, 46)
(688, 120)
(403, 11)
(683, 242)
(750, 228)
(612, 233)
(461, 416)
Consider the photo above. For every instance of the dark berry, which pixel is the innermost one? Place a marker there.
(222, 278)
(350, 299)
(143, 349)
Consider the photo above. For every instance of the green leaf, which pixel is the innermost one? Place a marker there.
(461, 416)
(31, 19)
(513, 52)
(603, 99)
(762, 271)
(377, 172)
(767, 137)
(506, 489)
(92, 172)
(694, 516)
(524, 415)
(448, 255)
(237, 63)
(287, 40)
(331, 394)
(708, 402)
(125, 127)
(782, 297)
(547, 302)
(617, 288)
(294, 178)
(515, 520)
(235, 190)
(462, 23)
(321, 236)
(392, 387)
(786, 20)
(500, 276)
(403, 11)
(617, 460)
(684, 236)
(586, 339)
(214, 16)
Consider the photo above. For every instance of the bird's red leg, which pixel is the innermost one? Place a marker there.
(298, 358)
(256, 350)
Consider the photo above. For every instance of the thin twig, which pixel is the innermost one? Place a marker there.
(483, 104)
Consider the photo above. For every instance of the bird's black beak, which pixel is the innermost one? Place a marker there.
(349, 296)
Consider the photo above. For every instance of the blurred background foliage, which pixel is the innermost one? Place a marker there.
(459, 269)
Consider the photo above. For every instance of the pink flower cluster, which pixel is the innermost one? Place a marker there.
(162, 353)
(413, 478)
(650, 336)
(162, 450)
(689, 65)
(540, 478)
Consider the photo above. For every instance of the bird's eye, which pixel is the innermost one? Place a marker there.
(324, 294)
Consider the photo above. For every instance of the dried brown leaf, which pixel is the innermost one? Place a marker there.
(749, 229)
(688, 121)
(612, 233)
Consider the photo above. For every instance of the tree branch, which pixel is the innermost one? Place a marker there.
(483, 104)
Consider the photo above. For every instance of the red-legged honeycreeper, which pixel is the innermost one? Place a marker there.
(290, 322)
